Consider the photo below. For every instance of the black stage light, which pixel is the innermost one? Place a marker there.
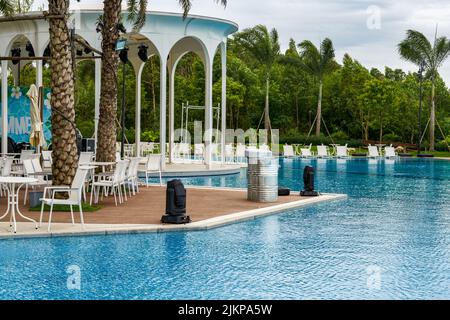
(175, 204)
(29, 48)
(143, 52)
(308, 180)
(16, 53)
(123, 55)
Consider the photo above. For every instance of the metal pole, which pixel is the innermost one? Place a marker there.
(122, 147)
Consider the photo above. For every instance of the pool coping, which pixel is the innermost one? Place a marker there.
(203, 225)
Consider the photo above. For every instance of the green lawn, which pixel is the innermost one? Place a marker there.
(63, 208)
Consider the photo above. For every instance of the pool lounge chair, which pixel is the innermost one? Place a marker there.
(288, 151)
(322, 152)
(373, 152)
(342, 152)
(306, 152)
(389, 152)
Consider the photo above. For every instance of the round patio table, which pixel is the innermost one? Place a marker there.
(13, 186)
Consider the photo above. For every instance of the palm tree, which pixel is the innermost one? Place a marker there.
(65, 155)
(110, 26)
(317, 63)
(264, 46)
(417, 49)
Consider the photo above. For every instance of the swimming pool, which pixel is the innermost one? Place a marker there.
(389, 240)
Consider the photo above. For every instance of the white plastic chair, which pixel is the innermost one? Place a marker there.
(373, 152)
(229, 154)
(29, 171)
(322, 151)
(132, 176)
(389, 152)
(288, 151)
(74, 197)
(240, 153)
(342, 151)
(86, 157)
(153, 164)
(47, 159)
(199, 151)
(109, 183)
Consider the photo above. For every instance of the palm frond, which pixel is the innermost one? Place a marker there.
(416, 48)
(137, 13)
(186, 5)
(6, 7)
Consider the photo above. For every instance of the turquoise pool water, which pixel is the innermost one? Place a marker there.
(389, 240)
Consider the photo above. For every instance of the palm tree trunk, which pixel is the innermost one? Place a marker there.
(107, 134)
(65, 152)
(266, 108)
(432, 117)
(319, 110)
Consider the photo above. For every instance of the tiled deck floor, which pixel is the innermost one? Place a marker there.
(148, 206)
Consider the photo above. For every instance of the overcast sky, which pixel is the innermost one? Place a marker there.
(368, 30)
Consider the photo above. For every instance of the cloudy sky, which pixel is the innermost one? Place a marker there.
(368, 30)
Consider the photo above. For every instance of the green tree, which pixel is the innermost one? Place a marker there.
(264, 47)
(6, 7)
(417, 49)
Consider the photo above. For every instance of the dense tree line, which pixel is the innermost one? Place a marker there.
(357, 104)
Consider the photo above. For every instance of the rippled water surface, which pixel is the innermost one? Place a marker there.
(389, 240)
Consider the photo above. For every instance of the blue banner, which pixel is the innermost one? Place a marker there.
(19, 120)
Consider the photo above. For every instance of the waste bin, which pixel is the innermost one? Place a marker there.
(262, 176)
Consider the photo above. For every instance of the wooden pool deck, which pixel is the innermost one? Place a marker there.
(208, 208)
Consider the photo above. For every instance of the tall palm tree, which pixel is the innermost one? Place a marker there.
(186, 5)
(417, 49)
(318, 63)
(264, 46)
(110, 26)
(65, 155)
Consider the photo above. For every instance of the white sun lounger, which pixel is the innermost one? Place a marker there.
(389, 152)
(341, 151)
(288, 151)
(373, 152)
(306, 153)
(322, 151)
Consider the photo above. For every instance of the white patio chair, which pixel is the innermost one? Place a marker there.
(86, 158)
(7, 166)
(74, 197)
(109, 183)
(342, 151)
(288, 151)
(373, 152)
(29, 171)
(229, 154)
(306, 152)
(199, 151)
(47, 160)
(240, 153)
(389, 152)
(153, 164)
(322, 152)
(118, 157)
(132, 176)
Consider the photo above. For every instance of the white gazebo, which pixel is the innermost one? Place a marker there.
(166, 35)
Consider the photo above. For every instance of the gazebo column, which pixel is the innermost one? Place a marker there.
(98, 82)
(223, 53)
(4, 107)
(171, 112)
(208, 113)
(39, 74)
(138, 109)
(163, 109)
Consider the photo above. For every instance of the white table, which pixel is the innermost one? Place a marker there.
(13, 186)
